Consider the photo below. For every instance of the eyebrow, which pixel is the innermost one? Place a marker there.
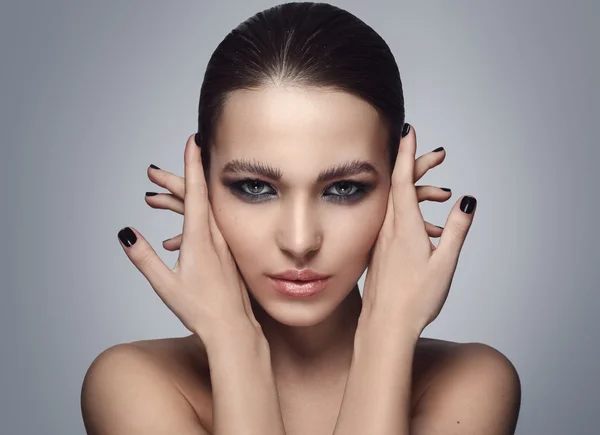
(346, 169)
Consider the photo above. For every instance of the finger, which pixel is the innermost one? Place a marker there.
(387, 228)
(172, 244)
(225, 255)
(433, 230)
(196, 232)
(432, 193)
(424, 193)
(428, 161)
(165, 201)
(406, 206)
(405, 159)
(147, 261)
(173, 183)
(455, 231)
(217, 237)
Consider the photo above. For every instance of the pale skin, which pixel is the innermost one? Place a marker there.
(333, 365)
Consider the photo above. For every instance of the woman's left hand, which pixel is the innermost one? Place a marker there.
(408, 278)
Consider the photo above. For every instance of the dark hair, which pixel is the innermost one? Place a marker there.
(310, 44)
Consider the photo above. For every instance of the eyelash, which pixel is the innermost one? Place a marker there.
(361, 190)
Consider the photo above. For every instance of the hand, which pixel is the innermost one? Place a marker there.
(408, 278)
(174, 201)
(205, 289)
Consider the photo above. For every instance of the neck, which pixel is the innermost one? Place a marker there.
(325, 346)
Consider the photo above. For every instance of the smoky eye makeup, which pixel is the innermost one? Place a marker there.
(254, 190)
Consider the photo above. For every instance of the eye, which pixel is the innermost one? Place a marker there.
(256, 190)
(255, 187)
(350, 191)
(344, 187)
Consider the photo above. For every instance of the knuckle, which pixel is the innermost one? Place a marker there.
(144, 258)
(179, 186)
(198, 184)
(400, 181)
(457, 229)
(406, 193)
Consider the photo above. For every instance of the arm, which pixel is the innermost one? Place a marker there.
(245, 399)
(407, 283)
(126, 393)
(207, 293)
(477, 391)
(377, 395)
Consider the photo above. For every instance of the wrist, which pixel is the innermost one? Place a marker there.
(376, 329)
(233, 334)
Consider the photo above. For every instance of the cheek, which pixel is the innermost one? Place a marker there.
(354, 233)
(359, 227)
(243, 232)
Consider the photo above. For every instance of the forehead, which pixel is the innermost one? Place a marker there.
(283, 124)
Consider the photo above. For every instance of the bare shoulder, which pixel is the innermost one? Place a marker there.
(134, 388)
(472, 387)
(430, 355)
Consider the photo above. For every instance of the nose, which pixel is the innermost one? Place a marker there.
(299, 232)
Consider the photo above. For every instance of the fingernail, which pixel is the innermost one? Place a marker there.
(440, 227)
(446, 189)
(127, 236)
(197, 139)
(405, 129)
(468, 204)
(154, 167)
(151, 193)
(438, 149)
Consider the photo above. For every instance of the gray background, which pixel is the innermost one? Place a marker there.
(93, 93)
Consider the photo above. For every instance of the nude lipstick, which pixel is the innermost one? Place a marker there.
(299, 283)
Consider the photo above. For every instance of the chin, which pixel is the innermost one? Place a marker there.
(292, 313)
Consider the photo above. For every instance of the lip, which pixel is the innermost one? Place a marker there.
(299, 275)
(299, 288)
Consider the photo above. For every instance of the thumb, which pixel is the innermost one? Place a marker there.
(145, 258)
(456, 230)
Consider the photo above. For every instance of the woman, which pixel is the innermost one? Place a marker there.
(303, 168)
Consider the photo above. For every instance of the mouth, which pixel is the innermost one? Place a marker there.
(297, 288)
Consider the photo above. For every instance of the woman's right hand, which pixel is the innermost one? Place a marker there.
(176, 186)
(205, 289)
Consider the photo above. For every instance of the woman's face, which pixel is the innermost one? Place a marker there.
(296, 221)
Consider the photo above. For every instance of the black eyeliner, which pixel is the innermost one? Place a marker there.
(236, 187)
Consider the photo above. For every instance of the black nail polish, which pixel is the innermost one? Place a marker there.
(446, 189)
(154, 167)
(438, 149)
(151, 193)
(197, 140)
(405, 129)
(468, 204)
(127, 236)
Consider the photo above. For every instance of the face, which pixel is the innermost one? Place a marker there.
(290, 219)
